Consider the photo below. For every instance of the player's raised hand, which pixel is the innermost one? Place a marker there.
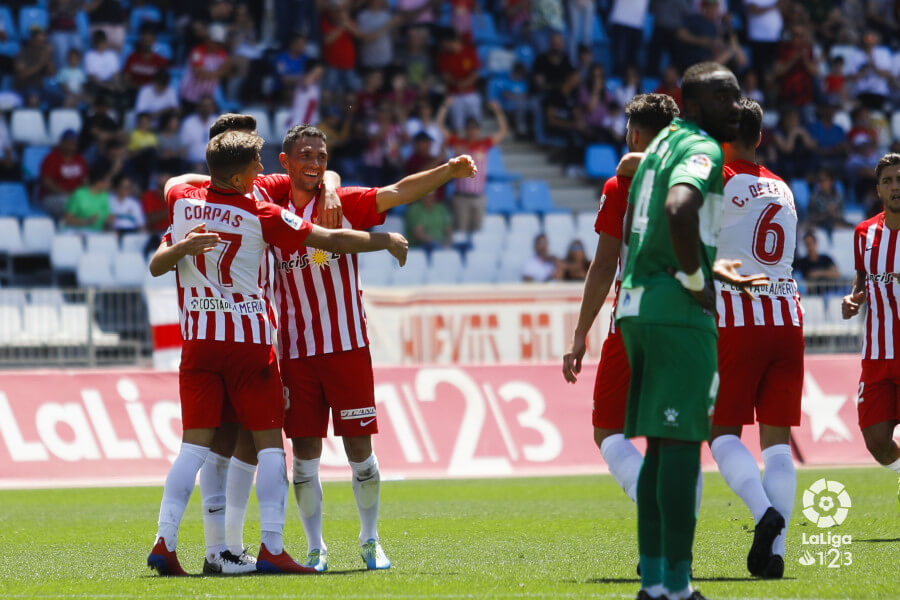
(852, 303)
(572, 358)
(726, 270)
(398, 248)
(462, 166)
(198, 241)
(329, 211)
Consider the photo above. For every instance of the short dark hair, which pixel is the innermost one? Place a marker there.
(651, 111)
(696, 75)
(231, 152)
(888, 160)
(298, 132)
(751, 123)
(99, 171)
(232, 122)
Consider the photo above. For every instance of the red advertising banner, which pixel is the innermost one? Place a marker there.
(77, 428)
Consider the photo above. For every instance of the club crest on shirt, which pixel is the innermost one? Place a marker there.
(699, 165)
(293, 221)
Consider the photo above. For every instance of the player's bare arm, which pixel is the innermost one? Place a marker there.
(725, 270)
(415, 186)
(628, 164)
(328, 208)
(682, 211)
(197, 241)
(194, 179)
(349, 241)
(852, 302)
(596, 287)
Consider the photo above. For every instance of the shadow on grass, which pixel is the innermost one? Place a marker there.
(695, 579)
(879, 540)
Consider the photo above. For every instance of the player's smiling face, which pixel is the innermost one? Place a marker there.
(306, 162)
(888, 187)
(720, 113)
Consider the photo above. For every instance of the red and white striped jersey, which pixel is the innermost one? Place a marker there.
(611, 221)
(220, 295)
(319, 298)
(759, 228)
(877, 256)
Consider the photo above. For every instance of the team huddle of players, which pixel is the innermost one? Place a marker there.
(689, 359)
(236, 396)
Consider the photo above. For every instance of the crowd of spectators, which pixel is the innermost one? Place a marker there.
(397, 86)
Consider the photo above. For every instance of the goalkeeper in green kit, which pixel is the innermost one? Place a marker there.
(666, 313)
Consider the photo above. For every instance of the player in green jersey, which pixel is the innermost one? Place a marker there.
(666, 314)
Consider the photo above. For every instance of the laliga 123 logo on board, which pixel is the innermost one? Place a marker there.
(826, 504)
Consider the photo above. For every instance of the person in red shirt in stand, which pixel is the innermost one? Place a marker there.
(339, 33)
(62, 172)
(143, 64)
(458, 66)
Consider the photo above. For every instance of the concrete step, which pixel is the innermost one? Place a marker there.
(575, 199)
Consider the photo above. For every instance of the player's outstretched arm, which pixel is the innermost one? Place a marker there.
(350, 241)
(328, 206)
(683, 214)
(852, 302)
(195, 242)
(415, 186)
(596, 286)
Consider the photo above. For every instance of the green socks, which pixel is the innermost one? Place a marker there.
(649, 524)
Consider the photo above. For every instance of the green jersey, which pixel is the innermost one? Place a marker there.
(681, 153)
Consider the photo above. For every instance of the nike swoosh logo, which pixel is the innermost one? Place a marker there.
(364, 423)
(301, 482)
(215, 510)
(870, 248)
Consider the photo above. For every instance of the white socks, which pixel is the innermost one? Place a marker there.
(624, 462)
(894, 466)
(366, 490)
(212, 492)
(308, 493)
(780, 482)
(739, 469)
(271, 491)
(179, 485)
(237, 495)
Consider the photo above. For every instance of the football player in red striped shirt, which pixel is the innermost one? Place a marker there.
(760, 344)
(877, 253)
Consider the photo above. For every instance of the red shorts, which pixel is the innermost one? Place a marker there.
(611, 385)
(221, 382)
(340, 381)
(761, 369)
(879, 392)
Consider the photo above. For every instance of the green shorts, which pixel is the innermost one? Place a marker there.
(674, 380)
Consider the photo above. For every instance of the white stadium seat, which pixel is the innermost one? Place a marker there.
(13, 297)
(413, 273)
(445, 267)
(65, 251)
(95, 269)
(813, 311)
(10, 324)
(37, 234)
(488, 241)
(74, 321)
(841, 251)
(494, 224)
(62, 119)
(263, 123)
(481, 267)
(128, 269)
(47, 296)
(375, 268)
(41, 322)
(10, 236)
(511, 262)
(103, 243)
(282, 121)
(135, 241)
(168, 280)
(585, 220)
(525, 223)
(27, 126)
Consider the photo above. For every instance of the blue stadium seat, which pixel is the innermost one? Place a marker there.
(484, 31)
(9, 48)
(83, 26)
(536, 197)
(501, 198)
(32, 15)
(525, 55)
(6, 22)
(495, 87)
(648, 84)
(13, 200)
(801, 194)
(32, 158)
(496, 169)
(599, 30)
(613, 84)
(140, 14)
(600, 161)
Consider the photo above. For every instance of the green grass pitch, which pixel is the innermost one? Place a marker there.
(557, 537)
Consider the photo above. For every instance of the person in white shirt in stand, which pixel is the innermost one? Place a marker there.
(542, 266)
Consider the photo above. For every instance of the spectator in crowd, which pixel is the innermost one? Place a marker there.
(750, 87)
(835, 82)
(796, 148)
(169, 146)
(369, 97)
(565, 120)
(871, 67)
(291, 64)
(142, 148)
(468, 200)
(114, 158)
(669, 84)
(144, 64)
(195, 133)
(584, 60)
(796, 68)
(551, 67)
(581, 25)
(63, 29)
(883, 16)
(631, 86)
(542, 266)
(421, 158)
(764, 28)
(401, 96)
(593, 105)
(207, 67)
(157, 97)
(72, 79)
(708, 36)
(424, 121)
(826, 203)
(63, 170)
(818, 270)
(34, 65)
(125, 210)
(339, 33)
(376, 23)
(626, 32)
(860, 167)
(546, 19)
(416, 59)
(295, 16)
(383, 160)
(103, 66)
(576, 264)
(155, 209)
(108, 16)
(830, 138)
(337, 127)
(668, 16)
(9, 167)
(517, 16)
(428, 224)
(97, 129)
(88, 208)
(515, 99)
(458, 66)
(307, 96)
